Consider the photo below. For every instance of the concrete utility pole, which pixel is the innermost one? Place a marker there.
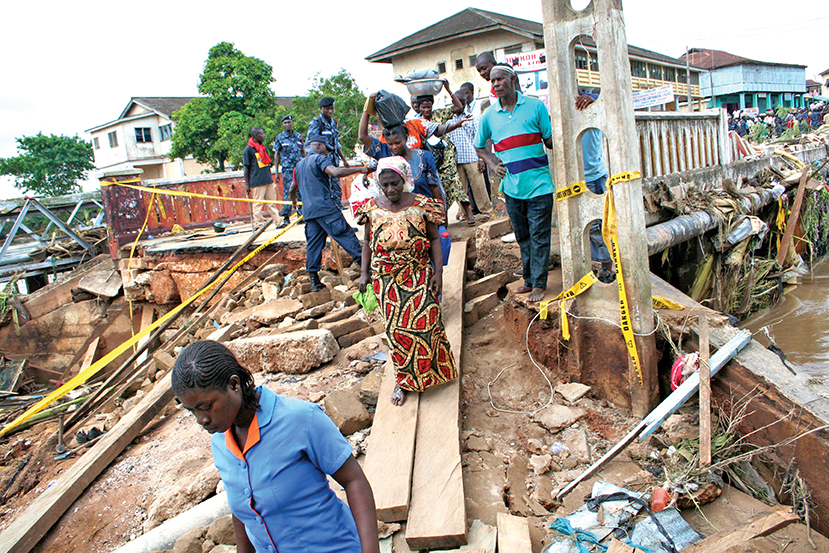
(600, 351)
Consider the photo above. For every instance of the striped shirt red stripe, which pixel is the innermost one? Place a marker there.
(518, 141)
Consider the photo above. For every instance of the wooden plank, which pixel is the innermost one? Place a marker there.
(390, 455)
(793, 218)
(437, 514)
(147, 316)
(89, 356)
(24, 533)
(615, 546)
(513, 534)
(704, 393)
(756, 527)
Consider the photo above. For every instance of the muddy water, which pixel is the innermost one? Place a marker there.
(800, 322)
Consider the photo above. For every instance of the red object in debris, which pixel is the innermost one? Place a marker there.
(660, 500)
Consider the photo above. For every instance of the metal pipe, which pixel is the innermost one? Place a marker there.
(676, 231)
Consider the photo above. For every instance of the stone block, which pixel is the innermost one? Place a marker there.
(313, 299)
(555, 417)
(356, 336)
(272, 269)
(347, 412)
(292, 352)
(343, 293)
(190, 541)
(339, 315)
(493, 229)
(476, 443)
(487, 285)
(221, 531)
(477, 308)
(270, 291)
(309, 324)
(274, 311)
(346, 326)
(370, 387)
(572, 391)
(540, 464)
(315, 312)
(163, 289)
(106, 284)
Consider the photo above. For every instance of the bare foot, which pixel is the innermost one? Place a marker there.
(536, 295)
(398, 396)
(522, 289)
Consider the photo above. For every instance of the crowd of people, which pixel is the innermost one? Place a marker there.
(774, 123)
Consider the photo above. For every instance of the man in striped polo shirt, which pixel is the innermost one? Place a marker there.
(519, 128)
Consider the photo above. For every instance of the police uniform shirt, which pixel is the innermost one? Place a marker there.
(289, 146)
(314, 185)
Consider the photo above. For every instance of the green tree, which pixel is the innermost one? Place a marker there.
(348, 106)
(49, 165)
(236, 96)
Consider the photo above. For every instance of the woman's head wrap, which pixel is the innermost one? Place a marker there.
(397, 164)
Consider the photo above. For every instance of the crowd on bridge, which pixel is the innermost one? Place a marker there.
(774, 123)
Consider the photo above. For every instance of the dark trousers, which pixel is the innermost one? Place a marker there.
(287, 181)
(532, 221)
(598, 249)
(335, 226)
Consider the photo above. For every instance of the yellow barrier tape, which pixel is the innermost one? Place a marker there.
(112, 355)
(582, 285)
(571, 191)
(664, 303)
(781, 221)
(182, 193)
(609, 233)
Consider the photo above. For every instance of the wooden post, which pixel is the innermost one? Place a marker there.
(704, 394)
(793, 218)
(613, 114)
(335, 249)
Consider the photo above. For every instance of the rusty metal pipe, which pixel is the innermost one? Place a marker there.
(676, 231)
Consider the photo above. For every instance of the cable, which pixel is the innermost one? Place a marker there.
(540, 370)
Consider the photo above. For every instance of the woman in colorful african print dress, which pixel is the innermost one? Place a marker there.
(402, 249)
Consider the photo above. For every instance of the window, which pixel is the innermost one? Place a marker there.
(655, 71)
(142, 134)
(473, 59)
(594, 62)
(113, 139)
(638, 68)
(682, 76)
(539, 45)
(695, 79)
(581, 59)
(441, 67)
(514, 49)
(165, 132)
(96, 144)
(458, 64)
(670, 74)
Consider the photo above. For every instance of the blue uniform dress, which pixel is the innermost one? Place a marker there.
(289, 146)
(277, 484)
(322, 213)
(424, 168)
(528, 188)
(328, 129)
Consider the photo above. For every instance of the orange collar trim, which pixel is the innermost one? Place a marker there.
(252, 439)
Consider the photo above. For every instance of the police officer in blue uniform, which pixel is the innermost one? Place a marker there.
(289, 151)
(326, 126)
(321, 208)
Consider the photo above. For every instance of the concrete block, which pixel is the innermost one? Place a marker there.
(572, 391)
(477, 308)
(555, 417)
(493, 229)
(292, 352)
(346, 326)
(221, 531)
(274, 311)
(270, 291)
(487, 285)
(315, 312)
(347, 412)
(370, 388)
(313, 299)
(309, 324)
(339, 315)
(356, 336)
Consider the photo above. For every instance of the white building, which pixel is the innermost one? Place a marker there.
(140, 138)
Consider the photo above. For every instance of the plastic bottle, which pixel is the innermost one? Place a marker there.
(445, 243)
(660, 500)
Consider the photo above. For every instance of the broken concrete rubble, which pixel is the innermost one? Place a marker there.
(293, 352)
(555, 417)
(346, 410)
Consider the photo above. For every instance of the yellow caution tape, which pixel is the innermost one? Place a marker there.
(611, 238)
(571, 191)
(85, 375)
(781, 220)
(182, 193)
(664, 303)
(581, 286)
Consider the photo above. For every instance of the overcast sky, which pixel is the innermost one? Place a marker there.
(69, 66)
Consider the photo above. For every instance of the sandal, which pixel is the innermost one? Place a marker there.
(470, 221)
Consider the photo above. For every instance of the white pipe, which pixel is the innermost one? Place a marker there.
(165, 536)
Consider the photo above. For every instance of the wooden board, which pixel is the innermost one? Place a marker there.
(390, 454)
(22, 535)
(793, 218)
(89, 356)
(147, 316)
(513, 534)
(437, 513)
(755, 527)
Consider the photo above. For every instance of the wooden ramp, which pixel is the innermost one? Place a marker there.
(437, 514)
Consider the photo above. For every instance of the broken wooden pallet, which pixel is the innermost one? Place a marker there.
(437, 514)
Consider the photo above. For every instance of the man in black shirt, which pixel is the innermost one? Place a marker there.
(321, 208)
(258, 180)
